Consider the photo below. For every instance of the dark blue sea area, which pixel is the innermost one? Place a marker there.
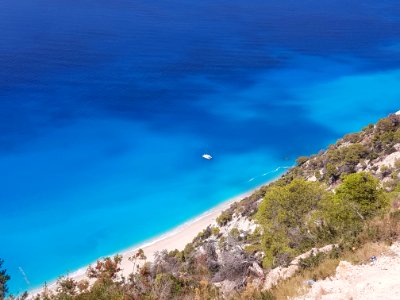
(106, 107)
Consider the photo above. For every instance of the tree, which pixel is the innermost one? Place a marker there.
(138, 255)
(284, 215)
(4, 278)
(361, 190)
(107, 268)
(336, 218)
(342, 215)
(66, 286)
(287, 205)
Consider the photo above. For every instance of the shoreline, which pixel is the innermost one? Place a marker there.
(176, 238)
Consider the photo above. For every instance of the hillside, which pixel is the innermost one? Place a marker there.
(340, 204)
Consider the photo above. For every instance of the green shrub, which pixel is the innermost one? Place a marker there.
(189, 248)
(351, 138)
(224, 218)
(215, 230)
(234, 232)
(301, 160)
(311, 261)
(385, 170)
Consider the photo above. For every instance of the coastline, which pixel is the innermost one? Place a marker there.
(175, 238)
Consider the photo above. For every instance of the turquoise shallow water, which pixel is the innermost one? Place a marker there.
(107, 106)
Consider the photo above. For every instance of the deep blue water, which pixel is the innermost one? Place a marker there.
(106, 107)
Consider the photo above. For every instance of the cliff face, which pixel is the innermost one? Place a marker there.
(376, 150)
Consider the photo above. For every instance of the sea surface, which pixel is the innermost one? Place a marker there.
(106, 107)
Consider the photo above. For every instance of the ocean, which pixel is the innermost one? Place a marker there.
(106, 107)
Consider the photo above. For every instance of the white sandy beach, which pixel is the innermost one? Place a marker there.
(176, 238)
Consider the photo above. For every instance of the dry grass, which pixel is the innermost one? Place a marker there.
(252, 292)
(364, 253)
(296, 286)
(385, 229)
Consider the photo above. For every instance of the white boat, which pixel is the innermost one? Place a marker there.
(207, 156)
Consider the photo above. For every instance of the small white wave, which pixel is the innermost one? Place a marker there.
(276, 170)
(24, 275)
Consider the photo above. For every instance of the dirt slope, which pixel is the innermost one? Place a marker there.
(377, 280)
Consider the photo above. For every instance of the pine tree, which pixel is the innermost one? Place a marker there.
(4, 277)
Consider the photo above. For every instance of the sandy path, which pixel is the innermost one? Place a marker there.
(378, 280)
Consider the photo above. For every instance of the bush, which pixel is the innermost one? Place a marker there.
(352, 138)
(202, 235)
(67, 286)
(107, 268)
(224, 218)
(301, 160)
(215, 230)
(311, 261)
(234, 233)
(167, 286)
(343, 161)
